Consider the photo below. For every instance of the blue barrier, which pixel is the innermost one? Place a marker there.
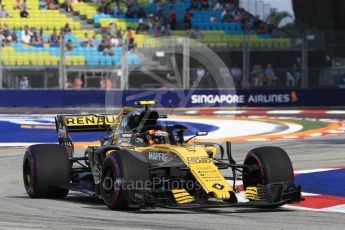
(173, 98)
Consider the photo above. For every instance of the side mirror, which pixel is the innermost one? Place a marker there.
(201, 133)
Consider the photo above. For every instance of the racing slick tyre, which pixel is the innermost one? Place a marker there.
(272, 164)
(46, 171)
(123, 180)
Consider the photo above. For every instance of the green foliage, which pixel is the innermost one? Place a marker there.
(276, 18)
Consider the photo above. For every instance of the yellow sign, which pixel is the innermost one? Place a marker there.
(146, 102)
(89, 120)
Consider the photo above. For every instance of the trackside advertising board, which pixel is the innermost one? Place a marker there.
(173, 98)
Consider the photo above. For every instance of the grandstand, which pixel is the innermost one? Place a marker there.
(16, 53)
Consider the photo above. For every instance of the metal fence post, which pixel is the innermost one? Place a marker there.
(245, 60)
(62, 77)
(185, 71)
(124, 67)
(304, 64)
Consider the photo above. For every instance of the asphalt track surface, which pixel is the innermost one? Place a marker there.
(78, 211)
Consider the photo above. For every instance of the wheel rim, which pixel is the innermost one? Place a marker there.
(28, 175)
(252, 178)
(108, 184)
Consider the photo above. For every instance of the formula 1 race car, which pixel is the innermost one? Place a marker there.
(143, 162)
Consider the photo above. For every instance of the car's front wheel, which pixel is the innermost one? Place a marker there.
(123, 181)
(269, 164)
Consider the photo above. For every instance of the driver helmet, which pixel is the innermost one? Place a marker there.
(156, 136)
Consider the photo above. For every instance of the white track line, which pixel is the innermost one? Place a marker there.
(335, 112)
(229, 112)
(284, 112)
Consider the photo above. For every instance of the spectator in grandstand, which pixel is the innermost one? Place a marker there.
(68, 5)
(218, 6)
(102, 8)
(296, 73)
(290, 81)
(247, 23)
(158, 17)
(157, 31)
(51, 5)
(105, 83)
(256, 76)
(129, 12)
(43, 5)
(3, 12)
(204, 5)
(4, 28)
(167, 31)
(130, 38)
(141, 13)
(54, 38)
(200, 72)
(69, 46)
(105, 47)
(141, 28)
(67, 29)
(36, 39)
(77, 83)
(172, 18)
(236, 14)
(108, 9)
(24, 13)
(226, 16)
(298, 62)
(6, 38)
(32, 30)
(213, 18)
(187, 20)
(26, 35)
(164, 30)
(236, 74)
(93, 41)
(196, 33)
(258, 24)
(17, 5)
(24, 83)
(195, 5)
(270, 78)
(117, 9)
(24, 5)
(14, 35)
(202, 78)
(114, 41)
(85, 42)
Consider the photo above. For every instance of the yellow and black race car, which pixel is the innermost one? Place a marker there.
(143, 163)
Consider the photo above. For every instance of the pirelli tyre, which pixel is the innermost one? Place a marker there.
(125, 176)
(271, 164)
(46, 171)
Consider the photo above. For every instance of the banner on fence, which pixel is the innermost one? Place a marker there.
(173, 98)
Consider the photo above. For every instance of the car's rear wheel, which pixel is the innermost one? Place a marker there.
(124, 177)
(46, 171)
(268, 165)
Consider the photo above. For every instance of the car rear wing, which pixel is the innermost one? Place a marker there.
(85, 123)
(89, 122)
(66, 124)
